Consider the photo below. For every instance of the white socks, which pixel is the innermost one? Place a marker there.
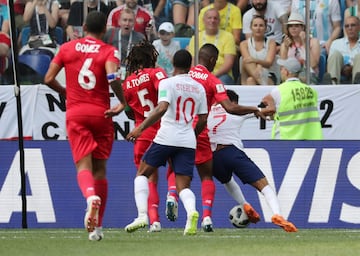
(271, 199)
(141, 192)
(235, 191)
(188, 199)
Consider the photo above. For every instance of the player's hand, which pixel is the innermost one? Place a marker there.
(136, 132)
(265, 113)
(114, 110)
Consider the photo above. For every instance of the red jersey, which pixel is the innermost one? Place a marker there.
(142, 18)
(141, 94)
(87, 87)
(215, 90)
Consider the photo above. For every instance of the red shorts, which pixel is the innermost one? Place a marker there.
(139, 149)
(90, 134)
(203, 151)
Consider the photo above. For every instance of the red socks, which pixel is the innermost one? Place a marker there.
(153, 203)
(207, 195)
(101, 189)
(86, 183)
(170, 175)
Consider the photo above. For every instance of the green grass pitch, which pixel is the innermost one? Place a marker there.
(171, 242)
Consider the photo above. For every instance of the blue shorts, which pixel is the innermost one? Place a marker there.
(182, 159)
(231, 160)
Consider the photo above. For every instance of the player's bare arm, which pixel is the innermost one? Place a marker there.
(50, 80)
(201, 124)
(154, 116)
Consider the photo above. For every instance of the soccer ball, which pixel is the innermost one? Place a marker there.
(238, 217)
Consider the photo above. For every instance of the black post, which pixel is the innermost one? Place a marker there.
(13, 34)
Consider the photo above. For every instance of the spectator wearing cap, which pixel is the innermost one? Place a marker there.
(166, 47)
(296, 114)
(294, 45)
(124, 37)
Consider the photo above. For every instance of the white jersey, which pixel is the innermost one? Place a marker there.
(322, 14)
(224, 128)
(272, 14)
(186, 99)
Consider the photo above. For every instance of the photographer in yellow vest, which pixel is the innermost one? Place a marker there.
(295, 105)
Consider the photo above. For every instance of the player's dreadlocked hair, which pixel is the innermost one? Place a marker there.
(142, 55)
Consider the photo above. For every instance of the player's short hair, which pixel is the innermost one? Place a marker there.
(95, 22)
(182, 59)
(233, 96)
(209, 50)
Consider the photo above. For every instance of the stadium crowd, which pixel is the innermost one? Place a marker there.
(43, 25)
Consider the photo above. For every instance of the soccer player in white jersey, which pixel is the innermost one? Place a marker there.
(180, 99)
(229, 158)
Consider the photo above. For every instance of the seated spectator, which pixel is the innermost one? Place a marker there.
(183, 12)
(144, 21)
(223, 40)
(77, 16)
(258, 56)
(230, 17)
(43, 16)
(353, 9)
(344, 55)
(294, 45)
(124, 37)
(276, 17)
(325, 20)
(166, 47)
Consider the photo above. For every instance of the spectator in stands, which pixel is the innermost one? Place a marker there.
(294, 45)
(5, 42)
(144, 21)
(77, 16)
(166, 47)
(258, 56)
(124, 37)
(353, 9)
(183, 12)
(223, 40)
(230, 18)
(325, 20)
(276, 18)
(43, 16)
(344, 55)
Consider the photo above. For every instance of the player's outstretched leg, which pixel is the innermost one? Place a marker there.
(281, 222)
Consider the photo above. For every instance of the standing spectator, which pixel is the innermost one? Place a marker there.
(166, 47)
(295, 105)
(144, 21)
(229, 159)
(142, 99)
(344, 55)
(223, 40)
(175, 140)
(124, 37)
(294, 45)
(276, 17)
(77, 16)
(183, 12)
(325, 20)
(88, 114)
(230, 18)
(352, 10)
(215, 92)
(258, 56)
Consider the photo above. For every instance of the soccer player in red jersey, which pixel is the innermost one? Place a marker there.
(215, 92)
(141, 93)
(90, 66)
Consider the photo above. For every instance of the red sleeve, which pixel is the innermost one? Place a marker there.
(5, 39)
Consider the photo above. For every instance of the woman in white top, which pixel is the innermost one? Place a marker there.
(294, 45)
(258, 56)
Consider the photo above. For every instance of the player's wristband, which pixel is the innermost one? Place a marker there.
(112, 77)
(259, 109)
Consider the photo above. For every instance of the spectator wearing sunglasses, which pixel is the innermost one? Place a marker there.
(294, 45)
(343, 64)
